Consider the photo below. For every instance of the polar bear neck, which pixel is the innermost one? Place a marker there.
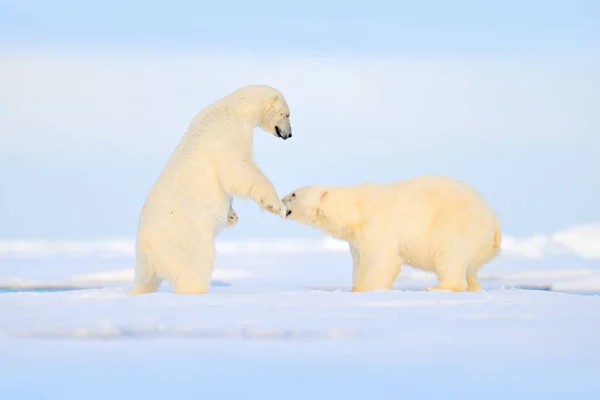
(234, 110)
(252, 113)
(252, 103)
(339, 215)
(242, 111)
(334, 228)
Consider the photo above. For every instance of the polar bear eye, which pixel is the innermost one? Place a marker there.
(293, 194)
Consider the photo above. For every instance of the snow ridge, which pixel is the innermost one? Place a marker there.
(580, 241)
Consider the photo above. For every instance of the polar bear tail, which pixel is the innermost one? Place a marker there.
(497, 240)
(494, 246)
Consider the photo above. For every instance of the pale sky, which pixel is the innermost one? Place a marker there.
(94, 99)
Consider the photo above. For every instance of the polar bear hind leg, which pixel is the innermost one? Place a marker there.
(451, 270)
(355, 262)
(194, 265)
(145, 280)
(484, 255)
(473, 284)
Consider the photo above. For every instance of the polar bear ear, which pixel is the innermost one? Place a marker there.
(323, 195)
(274, 99)
(321, 202)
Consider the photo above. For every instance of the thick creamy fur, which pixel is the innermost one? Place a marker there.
(435, 223)
(191, 200)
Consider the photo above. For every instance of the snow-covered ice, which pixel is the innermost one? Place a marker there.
(280, 323)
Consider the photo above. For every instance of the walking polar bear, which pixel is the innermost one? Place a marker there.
(430, 222)
(191, 200)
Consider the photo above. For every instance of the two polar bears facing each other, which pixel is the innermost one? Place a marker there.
(434, 223)
(191, 201)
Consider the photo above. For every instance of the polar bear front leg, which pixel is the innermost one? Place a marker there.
(232, 217)
(378, 269)
(245, 179)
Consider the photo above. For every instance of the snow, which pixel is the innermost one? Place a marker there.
(280, 322)
(582, 241)
(588, 283)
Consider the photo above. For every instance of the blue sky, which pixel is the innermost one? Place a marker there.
(333, 26)
(95, 96)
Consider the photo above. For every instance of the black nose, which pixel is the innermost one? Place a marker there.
(288, 212)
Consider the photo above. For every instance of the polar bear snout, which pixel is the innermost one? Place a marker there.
(286, 202)
(291, 203)
(285, 135)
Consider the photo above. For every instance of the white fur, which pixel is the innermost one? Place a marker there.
(434, 223)
(191, 200)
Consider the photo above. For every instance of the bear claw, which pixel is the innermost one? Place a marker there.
(232, 218)
(281, 210)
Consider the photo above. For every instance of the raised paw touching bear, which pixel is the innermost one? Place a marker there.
(275, 207)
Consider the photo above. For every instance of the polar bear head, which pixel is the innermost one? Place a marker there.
(304, 205)
(276, 116)
(334, 210)
(269, 109)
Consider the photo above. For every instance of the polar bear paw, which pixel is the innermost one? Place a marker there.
(436, 289)
(232, 218)
(454, 287)
(278, 208)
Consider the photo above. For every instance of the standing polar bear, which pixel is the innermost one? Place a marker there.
(191, 200)
(430, 222)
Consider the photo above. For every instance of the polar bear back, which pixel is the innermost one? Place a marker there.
(192, 174)
(423, 218)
